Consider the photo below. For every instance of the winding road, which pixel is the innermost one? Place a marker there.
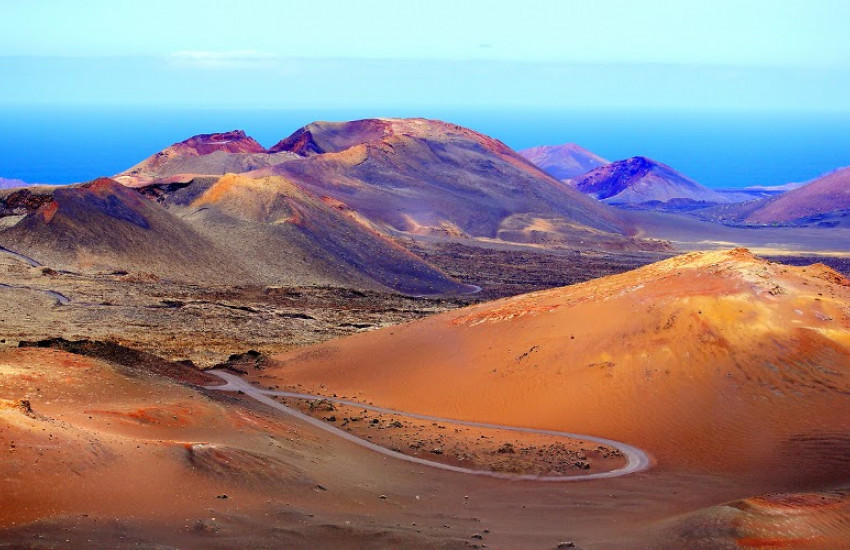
(26, 259)
(60, 298)
(636, 459)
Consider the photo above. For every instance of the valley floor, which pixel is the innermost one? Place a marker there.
(207, 324)
(197, 468)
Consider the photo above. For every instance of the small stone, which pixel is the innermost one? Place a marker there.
(566, 544)
(478, 536)
(506, 448)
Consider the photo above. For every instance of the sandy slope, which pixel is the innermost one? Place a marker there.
(791, 520)
(715, 362)
(825, 194)
(95, 454)
(563, 161)
(824, 199)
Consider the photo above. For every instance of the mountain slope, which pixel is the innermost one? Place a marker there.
(717, 362)
(427, 177)
(324, 208)
(639, 180)
(287, 235)
(824, 195)
(824, 201)
(563, 161)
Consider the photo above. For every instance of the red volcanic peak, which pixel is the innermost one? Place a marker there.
(300, 143)
(231, 142)
(332, 137)
(638, 180)
(102, 185)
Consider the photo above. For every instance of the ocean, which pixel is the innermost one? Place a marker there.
(717, 149)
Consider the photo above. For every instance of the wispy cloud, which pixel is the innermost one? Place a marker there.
(226, 60)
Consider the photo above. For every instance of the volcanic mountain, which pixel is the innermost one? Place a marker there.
(204, 154)
(563, 161)
(413, 177)
(323, 206)
(103, 225)
(286, 234)
(220, 230)
(824, 199)
(712, 362)
(426, 177)
(639, 180)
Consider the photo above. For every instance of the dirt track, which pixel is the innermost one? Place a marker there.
(636, 459)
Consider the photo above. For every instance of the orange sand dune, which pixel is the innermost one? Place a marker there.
(795, 520)
(712, 362)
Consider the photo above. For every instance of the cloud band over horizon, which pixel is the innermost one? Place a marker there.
(253, 79)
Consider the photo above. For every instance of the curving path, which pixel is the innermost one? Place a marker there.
(60, 298)
(26, 259)
(636, 459)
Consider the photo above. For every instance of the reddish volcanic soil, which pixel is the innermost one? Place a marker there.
(98, 455)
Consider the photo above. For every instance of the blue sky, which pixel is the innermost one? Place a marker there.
(718, 54)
